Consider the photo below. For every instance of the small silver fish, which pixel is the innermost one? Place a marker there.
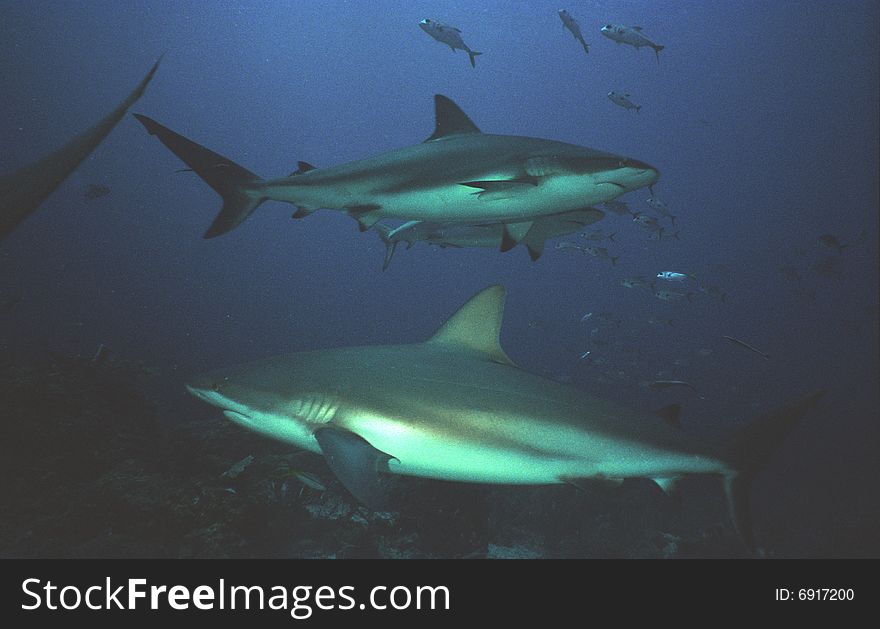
(622, 99)
(600, 252)
(574, 28)
(668, 384)
(630, 35)
(448, 35)
(670, 295)
(831, 241)
(661, 207)
(598, 235)
(635, 282)
(752, 348)
(672, 276)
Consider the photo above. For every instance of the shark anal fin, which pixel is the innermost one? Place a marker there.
(450, 119)
(358, 465)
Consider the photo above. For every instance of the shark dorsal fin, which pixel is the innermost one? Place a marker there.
(450, 119)
(476, 326)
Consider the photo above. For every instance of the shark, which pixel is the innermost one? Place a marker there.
(24, 190)
(458, 174)
(456, 407)
(491, 235)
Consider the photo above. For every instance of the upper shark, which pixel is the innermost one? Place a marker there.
(457, 175)
(457, 408)
(24, 190)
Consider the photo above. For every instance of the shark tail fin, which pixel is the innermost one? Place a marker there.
(750, 450)
(473, 54)
(232, 182)
(657, 48)
(390, 245)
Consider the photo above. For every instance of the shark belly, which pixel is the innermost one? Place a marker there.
(452, 201)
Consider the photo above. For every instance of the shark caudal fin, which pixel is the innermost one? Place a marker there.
(657, 48)
(749, 451)
(473, 54)
(390, 245)
(228, 179)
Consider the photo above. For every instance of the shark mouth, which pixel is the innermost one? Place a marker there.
(614, 183)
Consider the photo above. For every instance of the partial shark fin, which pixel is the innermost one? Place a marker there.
(358, 465)
(450, 119)
(513, 233)
(227, 178)
(365, 215)
(666, 484)
(502, 185)
(476, 326)
(23, 191)
(747, 453)
(385, 234)
(671, 414)
(301, 212)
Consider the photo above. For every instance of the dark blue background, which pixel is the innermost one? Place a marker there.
(761, 116)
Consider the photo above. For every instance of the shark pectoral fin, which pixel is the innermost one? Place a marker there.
(666, 484)
(365, 215)
(670, 414)
(513, 233)
(449, 119)
(476, 326)
(360, 467)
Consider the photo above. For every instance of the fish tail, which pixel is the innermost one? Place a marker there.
(586, 46)
(638, 108)
(473, 54)
(231, 181)
(657, 48)
(390, 245)
(749, 451)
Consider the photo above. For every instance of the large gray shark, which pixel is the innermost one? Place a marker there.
(457, 175)
(491, 235)
(24, 190)
(457, 408)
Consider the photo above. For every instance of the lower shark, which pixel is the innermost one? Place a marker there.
(457, 408)
(458, 174)
(491, 235)
(24, 190)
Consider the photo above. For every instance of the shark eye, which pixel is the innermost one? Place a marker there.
(215, 386)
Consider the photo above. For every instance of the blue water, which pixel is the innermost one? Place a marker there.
(761, 116)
